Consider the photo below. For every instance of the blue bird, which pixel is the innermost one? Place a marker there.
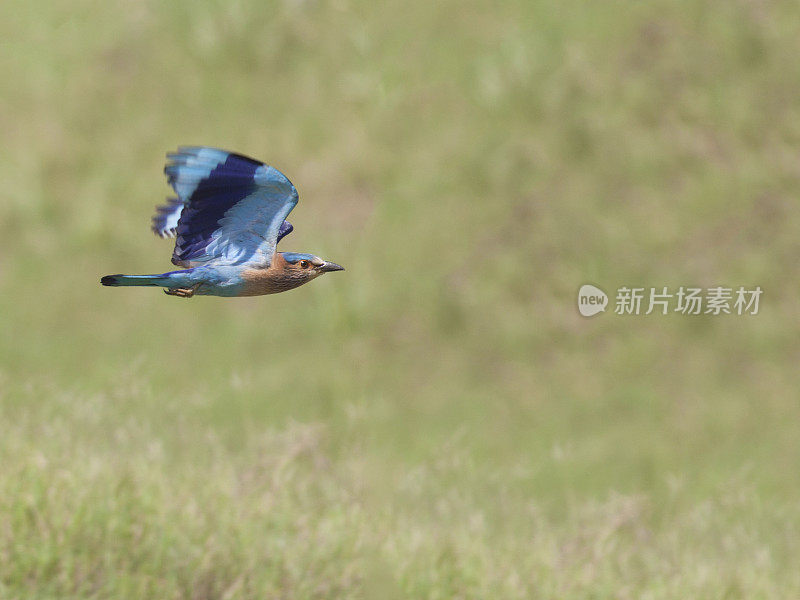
(228, 218)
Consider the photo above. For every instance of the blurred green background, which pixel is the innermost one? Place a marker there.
(438, 421)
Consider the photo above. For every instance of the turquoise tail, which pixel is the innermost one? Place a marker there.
(163, 280)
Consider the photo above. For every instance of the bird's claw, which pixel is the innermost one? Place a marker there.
(181, 292)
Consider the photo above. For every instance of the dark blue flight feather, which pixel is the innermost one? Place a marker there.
(231, 204)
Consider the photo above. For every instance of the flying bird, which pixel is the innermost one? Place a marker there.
(228, 217)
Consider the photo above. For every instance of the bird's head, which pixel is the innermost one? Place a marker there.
(306, 267)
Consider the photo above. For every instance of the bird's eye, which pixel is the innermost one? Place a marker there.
(304, 264)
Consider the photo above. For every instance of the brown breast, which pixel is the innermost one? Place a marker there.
(280, 276)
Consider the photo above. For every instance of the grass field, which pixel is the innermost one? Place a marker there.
(438, 421)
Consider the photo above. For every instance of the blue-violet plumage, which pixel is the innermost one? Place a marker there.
(228, 217)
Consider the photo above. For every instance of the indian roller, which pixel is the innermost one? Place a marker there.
(228, 217)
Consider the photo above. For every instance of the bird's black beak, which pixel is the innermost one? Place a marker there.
(330, 266)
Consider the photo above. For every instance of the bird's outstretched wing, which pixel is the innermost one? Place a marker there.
(165, 221)
(230, 208)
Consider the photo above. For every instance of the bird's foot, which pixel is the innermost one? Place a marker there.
(181, 292)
